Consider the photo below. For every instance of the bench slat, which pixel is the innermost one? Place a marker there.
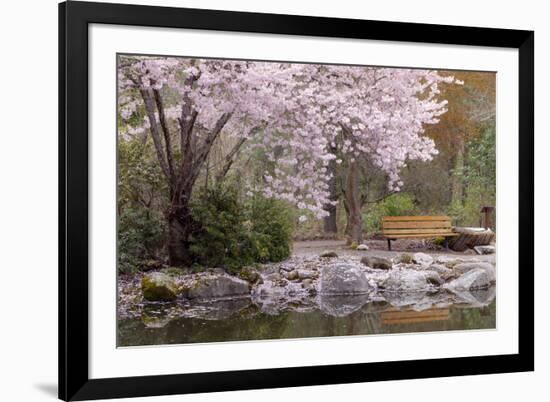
(424, 235)
(416, 231)
(416, 224)
(416, 218)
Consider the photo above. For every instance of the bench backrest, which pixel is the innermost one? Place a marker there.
(415, 225)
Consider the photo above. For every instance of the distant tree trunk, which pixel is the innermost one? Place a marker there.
(330, 226)
(353, 201)
(457, 190)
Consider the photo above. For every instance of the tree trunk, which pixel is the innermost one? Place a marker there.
(180, 224)
(353, 201)
(457, 191)
(330, 226)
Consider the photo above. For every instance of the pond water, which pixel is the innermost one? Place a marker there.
(241, 319)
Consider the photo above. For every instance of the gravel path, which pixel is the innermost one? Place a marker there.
(378, 248)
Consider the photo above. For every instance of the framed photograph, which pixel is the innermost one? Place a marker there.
(257, 200)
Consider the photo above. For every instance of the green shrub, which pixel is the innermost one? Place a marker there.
(140, 237)
(221, 239)
(271, 226)
(233, 234)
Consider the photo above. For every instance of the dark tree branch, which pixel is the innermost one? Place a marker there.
(155, 132)
(187, 118)
(166, 131)
(229, 160)
(205, 147)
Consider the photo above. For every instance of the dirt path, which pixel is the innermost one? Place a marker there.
(377, 248)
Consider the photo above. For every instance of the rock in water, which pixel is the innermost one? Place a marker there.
(477, 278)
(465, 267)
(211, 287)
(328, 254)
(485, 249)
(376, 262)
(405, 280)
(362, 247)
(433, 278)
(422, 259)
(307, 274)
(342, 279)
(443, 272)
(158, 287)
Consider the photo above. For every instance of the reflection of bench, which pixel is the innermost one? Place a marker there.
(399, 227)
(412, 317)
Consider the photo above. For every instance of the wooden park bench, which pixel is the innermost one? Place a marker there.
(400, 227)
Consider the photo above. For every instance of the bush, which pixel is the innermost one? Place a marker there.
(394, 205)
(271, 227)
(140, 237)
(221, 238)
(232, 234)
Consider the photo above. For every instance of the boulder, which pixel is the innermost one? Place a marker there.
(405, 280)
(442, 270)
(157, 286)
(362, 247)
(376, 262)
(476, 278)
(404, 258)
(422, 259)
(210, 287)
(307, 274)
(485, 249)
(465, 267)
(433, 278)
(343, 279)
(328, 254)
(448, 261)
(250, 275)
(306, 283)
(292, 275)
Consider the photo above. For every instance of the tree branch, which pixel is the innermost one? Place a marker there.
(155, 132)
(166, 131)
(204, 149)
(229, 160)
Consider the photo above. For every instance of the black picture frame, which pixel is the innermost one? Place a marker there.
(74, 381)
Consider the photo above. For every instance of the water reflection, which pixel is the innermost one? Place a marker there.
(243, 319)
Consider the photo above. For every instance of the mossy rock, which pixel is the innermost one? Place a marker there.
(250, 275)
(405, 258)
(158, 287)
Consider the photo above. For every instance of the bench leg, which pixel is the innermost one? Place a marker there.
(446, 243)
(389, 244)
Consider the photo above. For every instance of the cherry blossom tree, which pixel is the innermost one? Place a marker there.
(370, 113)
(306, 119)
